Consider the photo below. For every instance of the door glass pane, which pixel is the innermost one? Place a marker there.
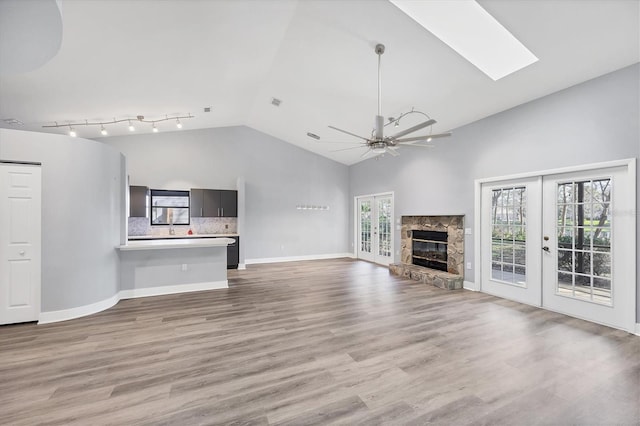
(508, 235)
(384, 227)
(584, 240)
(365, 226)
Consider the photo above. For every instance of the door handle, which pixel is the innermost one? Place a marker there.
(545, 248)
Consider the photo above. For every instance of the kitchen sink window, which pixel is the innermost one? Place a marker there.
(169, 207)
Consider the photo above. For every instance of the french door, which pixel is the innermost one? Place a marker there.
(511, 246)
(564, 242)
(374, 228)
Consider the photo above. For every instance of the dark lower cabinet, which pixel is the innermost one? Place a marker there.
(233, 254)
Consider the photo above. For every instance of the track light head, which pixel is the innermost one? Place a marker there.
(72, 132)
(103, 131)
(178, 123)
(154, 128)
(131, 127)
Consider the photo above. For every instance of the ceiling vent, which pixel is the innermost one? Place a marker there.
(275, 102)
(207, 109)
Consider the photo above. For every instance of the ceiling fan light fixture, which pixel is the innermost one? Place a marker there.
(379, 148)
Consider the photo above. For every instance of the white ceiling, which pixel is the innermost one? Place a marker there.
(125, 58)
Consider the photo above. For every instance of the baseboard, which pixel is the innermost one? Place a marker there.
(297, 258)
(94, 308)
(468, 285)
(242, 266)
(172, 289)
(637, 333)
(80, 311)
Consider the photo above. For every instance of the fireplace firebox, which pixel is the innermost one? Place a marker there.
(429, 249)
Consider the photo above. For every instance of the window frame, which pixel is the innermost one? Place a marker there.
(169, 193)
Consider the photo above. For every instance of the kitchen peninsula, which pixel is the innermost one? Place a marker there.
(175, 265)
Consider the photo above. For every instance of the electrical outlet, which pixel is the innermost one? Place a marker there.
(226, 226)
(184, 267)
(468, 265)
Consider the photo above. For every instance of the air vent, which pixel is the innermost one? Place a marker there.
(207, 109)
(313, 135)
(275, 102)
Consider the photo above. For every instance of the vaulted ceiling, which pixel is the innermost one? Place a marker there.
(120, 59)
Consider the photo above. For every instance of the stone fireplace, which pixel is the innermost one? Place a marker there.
(432, 250)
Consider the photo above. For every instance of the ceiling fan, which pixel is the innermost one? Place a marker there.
(378, 143)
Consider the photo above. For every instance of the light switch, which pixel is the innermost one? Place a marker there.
(468, 265)
(467, 231)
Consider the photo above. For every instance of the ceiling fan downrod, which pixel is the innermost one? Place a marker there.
(379, 118)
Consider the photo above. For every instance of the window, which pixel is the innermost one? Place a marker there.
(169, 207)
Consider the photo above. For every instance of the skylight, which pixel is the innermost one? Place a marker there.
(472, 32)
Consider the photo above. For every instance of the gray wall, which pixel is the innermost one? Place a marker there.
(277, 177)
(592, 122)
(82, 193)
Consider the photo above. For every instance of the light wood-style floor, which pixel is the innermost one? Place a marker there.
(319, 342)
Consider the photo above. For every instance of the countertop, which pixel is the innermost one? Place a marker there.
(158, 244)
(173, 237)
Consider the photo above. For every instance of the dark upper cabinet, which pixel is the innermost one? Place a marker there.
(228, 203)
(214, 203)
(196, 202)
(138, 199)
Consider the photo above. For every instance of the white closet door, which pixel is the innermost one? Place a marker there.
(20, 192)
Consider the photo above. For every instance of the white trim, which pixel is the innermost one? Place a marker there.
(94, 308)
(627, 162)
(172, 289)
(637, 333)
(80, 311)
(297, 258)
(468, 285)
(477, 217)
(242, 266)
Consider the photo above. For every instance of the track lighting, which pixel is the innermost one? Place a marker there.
(103, 129)
(397, 123)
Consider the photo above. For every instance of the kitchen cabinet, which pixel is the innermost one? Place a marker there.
(138, 201)
(214, 203)
(233, 253)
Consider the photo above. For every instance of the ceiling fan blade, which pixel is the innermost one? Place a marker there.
(416, 144)
(348, 133)
(347, 149)
(341, 143)
(414, 128)
(424, 138)
(392, 151)
(367, 152)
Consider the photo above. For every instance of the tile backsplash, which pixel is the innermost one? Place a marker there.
(199, 225)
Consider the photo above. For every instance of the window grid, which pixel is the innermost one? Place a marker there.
(508, 235)
(584, 240)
